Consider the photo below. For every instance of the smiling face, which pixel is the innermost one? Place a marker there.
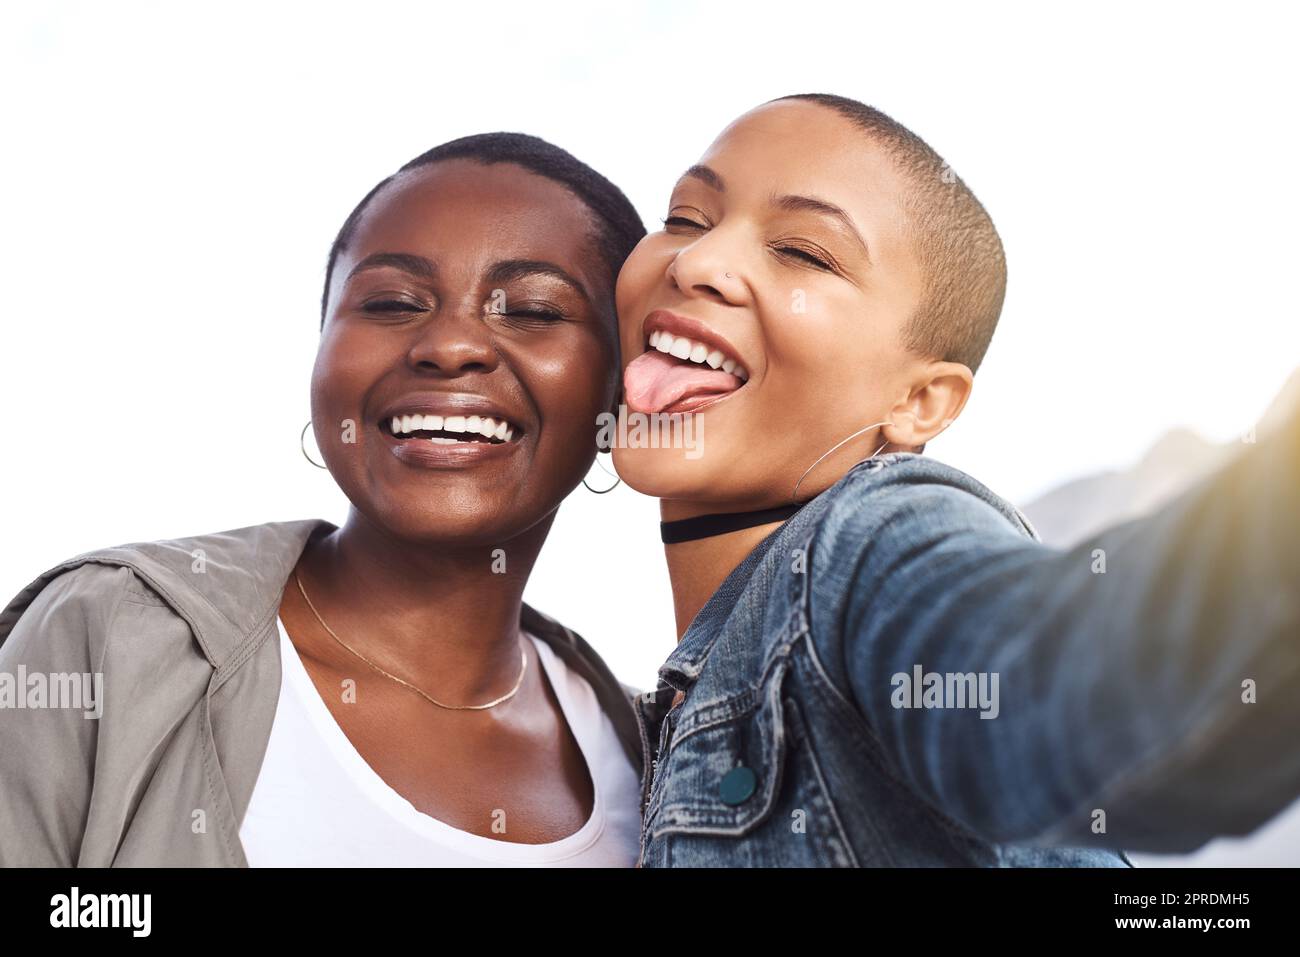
(773, 305)
(467, 337)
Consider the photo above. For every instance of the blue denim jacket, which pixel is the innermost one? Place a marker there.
(1116, 683)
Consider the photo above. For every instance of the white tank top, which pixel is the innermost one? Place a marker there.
(317, 803)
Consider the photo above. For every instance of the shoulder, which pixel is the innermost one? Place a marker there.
(902, 520)
(896, 533)
(66, 606)
(906, 490)
(218, 587)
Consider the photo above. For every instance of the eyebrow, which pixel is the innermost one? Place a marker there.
(415, 265)
(509, 269)
(811, 204)
(706, 176)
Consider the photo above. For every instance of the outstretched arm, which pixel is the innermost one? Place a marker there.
(1161, 688)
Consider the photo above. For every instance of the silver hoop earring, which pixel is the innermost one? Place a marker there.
(794, 496)
(302, 444)
(602, 491)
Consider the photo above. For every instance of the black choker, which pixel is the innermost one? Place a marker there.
(706, 526)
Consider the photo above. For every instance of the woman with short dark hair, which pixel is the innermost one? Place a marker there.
(377, 694)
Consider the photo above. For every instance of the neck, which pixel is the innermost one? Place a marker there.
(421, 609)
(696, 569)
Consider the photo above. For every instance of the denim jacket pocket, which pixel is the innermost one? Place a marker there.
(726, 760)
(743, 789)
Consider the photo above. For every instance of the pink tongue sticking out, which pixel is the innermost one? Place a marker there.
(655, 381)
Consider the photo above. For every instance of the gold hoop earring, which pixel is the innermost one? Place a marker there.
(302, 444)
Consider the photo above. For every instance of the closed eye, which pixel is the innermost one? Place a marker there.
(529, 313)
(391, 306)
(809, 257)
(681, 222)
(544, 315)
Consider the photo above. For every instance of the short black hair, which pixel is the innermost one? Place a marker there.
(962, 262)
(618, 226)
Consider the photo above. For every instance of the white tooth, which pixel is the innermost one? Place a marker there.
(681, 348)
(426, 421)
(433, 423)
(665, 342)
(510, 433)
(487, 428)
(654, 338)
(699, 352)
(714, 358)
(473, 423)
(397, 424)
(728, 365)
(502, 430)
(406, 424)
(441, 440)
(741, 374)
(454, 423)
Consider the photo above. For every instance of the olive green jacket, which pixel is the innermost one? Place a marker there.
(183, 633)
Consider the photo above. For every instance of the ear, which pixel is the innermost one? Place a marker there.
(934, 400)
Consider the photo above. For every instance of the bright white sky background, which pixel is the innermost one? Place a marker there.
(172, 175)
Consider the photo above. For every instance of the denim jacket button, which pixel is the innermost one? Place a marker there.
(738, 786)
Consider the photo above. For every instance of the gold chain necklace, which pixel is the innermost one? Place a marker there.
(523, 665)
